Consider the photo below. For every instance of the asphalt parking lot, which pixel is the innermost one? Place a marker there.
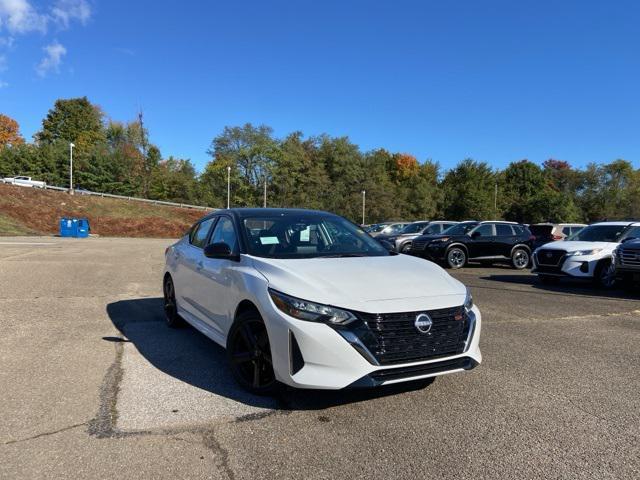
(94, 385)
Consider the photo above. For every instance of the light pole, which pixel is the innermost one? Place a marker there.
(71, 145)
(364, 199)
(264, 203)
(228, 186)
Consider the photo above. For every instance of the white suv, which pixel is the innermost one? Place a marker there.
(586, 255)
(303, 298)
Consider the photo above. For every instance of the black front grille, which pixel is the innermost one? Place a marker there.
(629, 257)
(393, 338)
(399, 373)
(418, 245)
(550, 257)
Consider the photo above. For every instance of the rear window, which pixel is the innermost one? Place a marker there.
(540, 230)
(503, 230)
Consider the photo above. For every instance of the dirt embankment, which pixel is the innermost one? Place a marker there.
(35, 211)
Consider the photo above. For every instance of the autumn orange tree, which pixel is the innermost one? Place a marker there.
(9, 132)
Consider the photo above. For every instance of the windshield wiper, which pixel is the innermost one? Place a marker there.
(344, 255)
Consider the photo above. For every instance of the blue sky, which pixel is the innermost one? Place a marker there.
(493, 80)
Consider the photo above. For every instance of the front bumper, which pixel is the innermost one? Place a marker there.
(332, 361)
(582, 266)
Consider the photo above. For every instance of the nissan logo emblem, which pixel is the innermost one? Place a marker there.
(423, 323)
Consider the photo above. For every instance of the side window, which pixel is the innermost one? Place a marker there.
(485, 230)
(198, 236)
(432, 229)
(566, 231)
(503, 230)
(225, 233)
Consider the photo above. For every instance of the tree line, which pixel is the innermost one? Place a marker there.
(321, 172)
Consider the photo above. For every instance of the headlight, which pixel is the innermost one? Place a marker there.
(310, 311)
(581, 253)
(468, 302)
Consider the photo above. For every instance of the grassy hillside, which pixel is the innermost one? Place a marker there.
(25, 211)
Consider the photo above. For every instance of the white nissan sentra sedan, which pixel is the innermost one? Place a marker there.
(308, 299)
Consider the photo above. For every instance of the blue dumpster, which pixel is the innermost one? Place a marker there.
(74, 227)
(83, 228)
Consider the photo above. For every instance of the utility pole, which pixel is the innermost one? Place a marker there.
(71, 145)
(364, 199)
(228, 186)
(264, 203)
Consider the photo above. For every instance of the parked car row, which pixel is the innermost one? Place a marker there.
(603, 252)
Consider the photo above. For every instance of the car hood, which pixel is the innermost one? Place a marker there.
(395, 283)
(572, 246)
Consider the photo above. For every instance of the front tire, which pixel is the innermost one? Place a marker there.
(406, 248)
(520, 259)
(456, 258)
(605, 274)
(249, 354)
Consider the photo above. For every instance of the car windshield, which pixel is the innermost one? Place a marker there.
(377, 227)
(308, 236)
(599, 233)
(460, 228)
(414, 227)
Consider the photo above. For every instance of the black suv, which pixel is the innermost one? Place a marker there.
(480, 241)
(626, 260)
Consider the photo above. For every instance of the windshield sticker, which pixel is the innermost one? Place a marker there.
(305, 234)
(269, 240)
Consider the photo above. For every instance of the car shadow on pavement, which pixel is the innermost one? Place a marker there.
(566, 286)
(189, 356)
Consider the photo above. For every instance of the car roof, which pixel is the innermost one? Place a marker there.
(617, 224)
(499, 221)
(267, 212)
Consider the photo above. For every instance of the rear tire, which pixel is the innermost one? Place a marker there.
(520, 259)
(249, 355)
(170, 305)
(456, 258)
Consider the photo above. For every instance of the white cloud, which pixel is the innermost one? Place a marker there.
(65, 11)
(3, 84)
(52, 60)
(19, 16)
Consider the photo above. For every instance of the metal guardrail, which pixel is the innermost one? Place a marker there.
(135, 199)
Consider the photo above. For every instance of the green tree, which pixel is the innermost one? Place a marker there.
(468, 191)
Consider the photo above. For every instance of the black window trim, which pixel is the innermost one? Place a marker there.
(235, 228)
(214, 218)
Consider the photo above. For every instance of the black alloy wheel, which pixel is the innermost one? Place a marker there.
(605, 274)
(249, 354)
(520, 259)
(170, 305)
(456, 258)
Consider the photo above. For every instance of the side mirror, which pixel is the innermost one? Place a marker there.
(388, 246)
(220, 250)
(476, 235)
